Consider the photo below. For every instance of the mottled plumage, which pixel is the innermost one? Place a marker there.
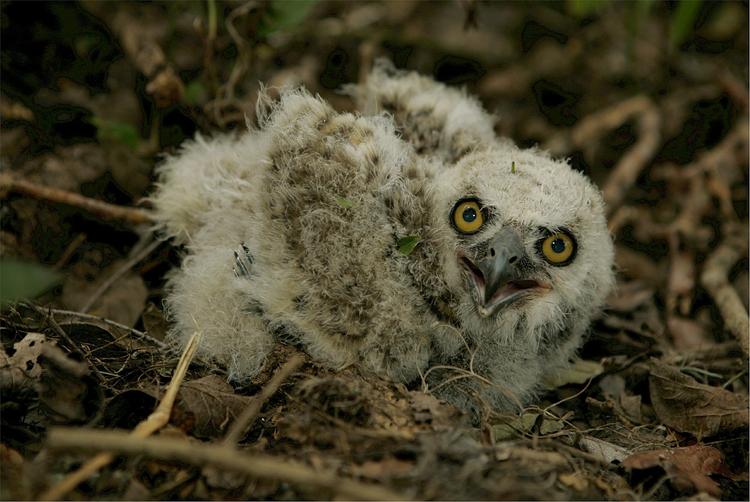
(291, 232)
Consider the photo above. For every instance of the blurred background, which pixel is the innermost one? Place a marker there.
(649, 98)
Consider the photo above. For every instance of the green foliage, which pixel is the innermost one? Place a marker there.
(110, 131)
(21, 280)
(284, 15)
(683, 21)
(195, 93)
(407, 244)
(583, 8)
(344, 202)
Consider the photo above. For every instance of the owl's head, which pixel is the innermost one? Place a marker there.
(523, 238)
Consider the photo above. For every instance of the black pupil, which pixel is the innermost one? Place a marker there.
(558, 245)
(469, 214)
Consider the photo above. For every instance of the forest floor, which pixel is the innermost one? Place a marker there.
(648, 99)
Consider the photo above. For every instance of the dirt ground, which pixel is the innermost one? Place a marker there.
(650, 99)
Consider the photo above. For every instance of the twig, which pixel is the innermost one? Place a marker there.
(590, 129)
(218, 455)
(100, 208)
(69, 250)
(715, 278)
(64, 335)
(155, 421)
(627, 169)
(142, 48)
(245, 419)
(138, 255)
(101, 320)
(597, 124)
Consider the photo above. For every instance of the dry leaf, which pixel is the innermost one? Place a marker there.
(60, 383)
(524, 424)
(129, 407)
(211, 404)
(688, 406)
(603, 449)
(687, 467)
(27, 353)
(614, 389)
(66, 388)
(578, 373)
(122, 302)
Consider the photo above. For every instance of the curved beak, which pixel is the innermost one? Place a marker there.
(498, 277)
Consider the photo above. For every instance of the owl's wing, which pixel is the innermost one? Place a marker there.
(203, 175)
(437, 119)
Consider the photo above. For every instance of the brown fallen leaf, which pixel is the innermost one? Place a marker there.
(687, 467)
(211, 404)
(580, 372)
(123, 301)
(688, 406)
(626, 404)
(61, 384)
(608, 452)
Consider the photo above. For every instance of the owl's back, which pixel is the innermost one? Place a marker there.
(312, 199)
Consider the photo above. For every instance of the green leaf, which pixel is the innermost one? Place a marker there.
(284, 15)
(683, 21)
(21, 280)
(344, 202)
(195, 93)
(109, 131)
(585, 8)
(407, 244)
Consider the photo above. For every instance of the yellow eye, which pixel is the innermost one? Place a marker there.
(467, 216)
(558, 248)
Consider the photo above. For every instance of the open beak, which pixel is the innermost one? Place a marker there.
(496, 280)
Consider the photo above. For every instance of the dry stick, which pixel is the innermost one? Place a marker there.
(629, 167)
(70, 250)
(626, 172)
(100, 208)
(145, 53)
(155, 421)
(64, 335)
(69, 314)
(715, 278)
(242, 422)
(218, 455)
(599, 123)
(138, 256)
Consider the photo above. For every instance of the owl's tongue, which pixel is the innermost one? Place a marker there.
(490, 299)
(510, 288)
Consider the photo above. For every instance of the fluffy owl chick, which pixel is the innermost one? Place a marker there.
(293, 231)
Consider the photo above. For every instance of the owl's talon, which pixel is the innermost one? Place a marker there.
(243, 262)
